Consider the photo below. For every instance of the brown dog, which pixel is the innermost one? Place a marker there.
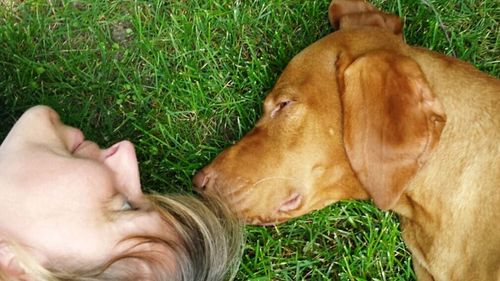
(359, 114)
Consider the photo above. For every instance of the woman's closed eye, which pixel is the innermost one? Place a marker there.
(127, 206)
(123, 203)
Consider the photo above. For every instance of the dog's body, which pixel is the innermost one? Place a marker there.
(451, 211)
(359, 114)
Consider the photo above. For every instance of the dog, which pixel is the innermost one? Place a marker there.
(360, 114)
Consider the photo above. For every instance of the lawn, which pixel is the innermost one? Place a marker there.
(184, 79)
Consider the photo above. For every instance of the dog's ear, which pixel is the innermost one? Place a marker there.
(356, 13)
(392, 121)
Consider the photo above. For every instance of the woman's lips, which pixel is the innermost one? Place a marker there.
(82, 145)
(78, 140)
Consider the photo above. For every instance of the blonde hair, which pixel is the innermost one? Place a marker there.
(211, 247)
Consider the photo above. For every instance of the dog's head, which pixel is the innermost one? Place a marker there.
(350, 117)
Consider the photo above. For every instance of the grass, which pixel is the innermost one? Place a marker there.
(184, 79)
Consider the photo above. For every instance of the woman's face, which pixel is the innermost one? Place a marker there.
(68, 202)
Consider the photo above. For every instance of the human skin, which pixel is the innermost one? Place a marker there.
(69, 203)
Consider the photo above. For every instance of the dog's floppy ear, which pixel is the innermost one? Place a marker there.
(392, 121)
(356, 13)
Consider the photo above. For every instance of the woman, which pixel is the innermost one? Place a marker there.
(73, 211)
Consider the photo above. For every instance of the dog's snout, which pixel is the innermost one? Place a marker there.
(200, 180)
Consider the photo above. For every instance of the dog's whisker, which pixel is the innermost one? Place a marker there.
(272, 178)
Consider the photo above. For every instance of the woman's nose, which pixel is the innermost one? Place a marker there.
(123, 163)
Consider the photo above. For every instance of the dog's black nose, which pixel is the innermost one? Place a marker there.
(200, 180)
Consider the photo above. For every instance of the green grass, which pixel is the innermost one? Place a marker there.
(184, 79)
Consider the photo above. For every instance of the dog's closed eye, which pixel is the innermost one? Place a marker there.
(280, 106)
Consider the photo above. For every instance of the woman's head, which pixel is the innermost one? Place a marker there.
(211, 236)
(77, 209)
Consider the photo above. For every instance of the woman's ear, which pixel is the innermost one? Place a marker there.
(392, 121)
(10, 266)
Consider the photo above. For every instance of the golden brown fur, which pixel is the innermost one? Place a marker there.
(360, 114)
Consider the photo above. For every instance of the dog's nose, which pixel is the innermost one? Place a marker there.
(200, 180)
